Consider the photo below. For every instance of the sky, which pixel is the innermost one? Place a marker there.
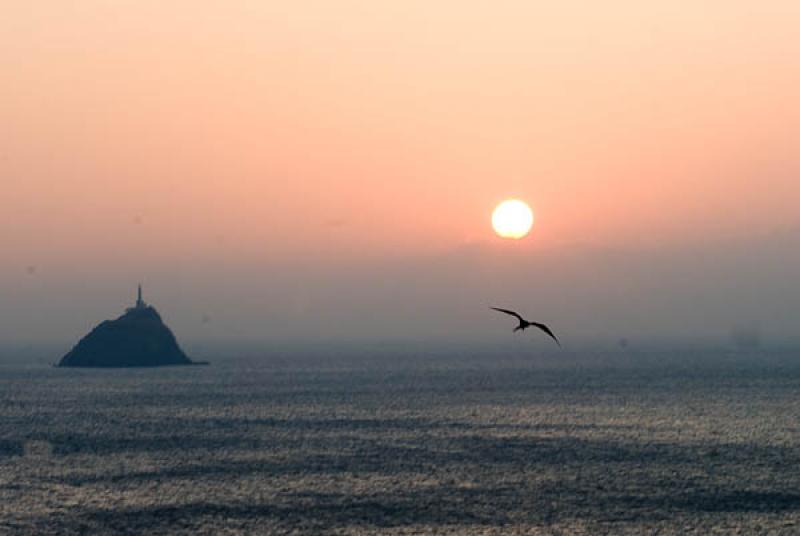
(316, 169)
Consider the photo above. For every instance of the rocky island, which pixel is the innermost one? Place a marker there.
(138, 338)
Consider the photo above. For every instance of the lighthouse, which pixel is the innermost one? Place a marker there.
(139, 301)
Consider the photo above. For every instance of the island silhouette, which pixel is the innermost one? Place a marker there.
(138, 338)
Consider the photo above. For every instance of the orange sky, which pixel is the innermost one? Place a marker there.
(156, 132)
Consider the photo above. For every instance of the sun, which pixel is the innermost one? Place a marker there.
(512, 219)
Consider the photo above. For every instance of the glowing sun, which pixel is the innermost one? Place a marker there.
(512, 219)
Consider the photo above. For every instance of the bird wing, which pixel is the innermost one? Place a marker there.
(506, 311)
(546, 330)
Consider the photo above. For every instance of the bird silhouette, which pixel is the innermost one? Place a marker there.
(525, 324)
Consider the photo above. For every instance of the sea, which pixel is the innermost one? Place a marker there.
(406, 438)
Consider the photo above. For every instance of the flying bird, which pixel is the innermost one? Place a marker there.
(524, 324)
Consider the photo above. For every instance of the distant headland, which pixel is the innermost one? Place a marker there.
(138, 338)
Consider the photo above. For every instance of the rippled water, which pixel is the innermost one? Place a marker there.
(400, 442)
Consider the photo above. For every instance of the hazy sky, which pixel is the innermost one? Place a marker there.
(287, 168)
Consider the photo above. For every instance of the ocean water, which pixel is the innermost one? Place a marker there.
(404, 441)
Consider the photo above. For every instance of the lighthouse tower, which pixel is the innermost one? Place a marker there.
(139, 301)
